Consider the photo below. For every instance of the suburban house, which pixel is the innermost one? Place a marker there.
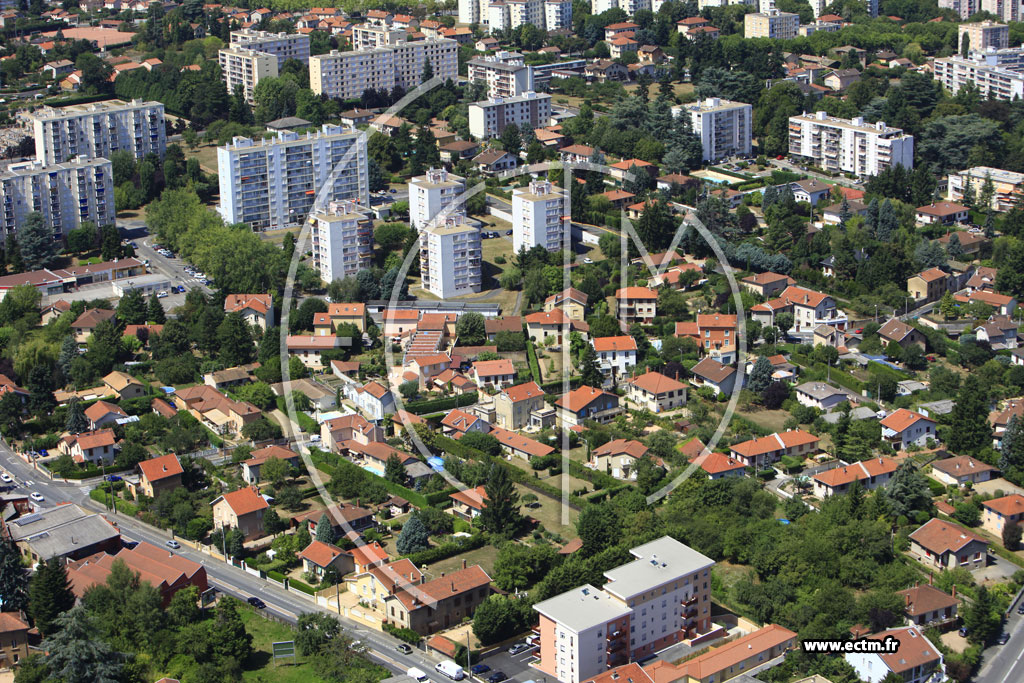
(440, 603)
(318, 556)
(353, 427)
(423, 368)
(636, 305)
(347, 314)
(916, 660)
(895, 330)
(520, 446)
(655, 392)
(719, 465)
(310, 348)
(928, 285)
(124, 386)
(382, 581)
(761, 452)
(810, 190)
(826, 335)
(496, 373)
(571, 301)
(84, 324)
(251, 467)
(971, 243)
(242, 509)
(468, 504)
(459, 422)
(1000, 332)
(255, 309)
(809, 308)
(962, 469)
(615, 355)
(514, 406)
(368, 555)
(220, 413)
(13, 639)
(586, 403)
(618, 458)
(710, 373)
(374, 455)
(159, 475)
(93, 447)
(555, 324)
(101, 414)
(941, 213)
(230, 377)
(999, 512)
(819, 395)
(717, 336)
(926, 605)
(870, 473)
(905, 427)
(945, 545)
(509, 323)
(767, 284)
(374, 400)
(1003, 305)
(343, 517)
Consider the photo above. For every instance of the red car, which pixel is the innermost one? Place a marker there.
(780, 157)
(858, 330)
(930, 358)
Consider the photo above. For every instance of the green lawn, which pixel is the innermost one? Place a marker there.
(484, 557)
(260, 667)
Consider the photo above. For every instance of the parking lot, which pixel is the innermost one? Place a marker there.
(515, 667)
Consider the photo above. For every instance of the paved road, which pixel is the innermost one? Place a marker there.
(1005, 663)
(236, 582)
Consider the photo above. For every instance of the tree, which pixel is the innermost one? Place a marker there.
(393, 470)
(648, 474)
(470, 329)
(590, 372)
(511, 139)
(290, 497)
(76, 421)
(953, 248)
(49, 595)
(497, 618)
(982, 618)
(316, 630)
(413, 538)
(969, 429)
(1011, 462)
(599, 527)
(500, 515)
(235, 341)
(276, 471)
(518, 566)
(38, 249)
(75, 654)
(324, 529)
(908, 491)
(1011, 536)
(131, 309)
(760, 375)
(155, 311)
(13, 579)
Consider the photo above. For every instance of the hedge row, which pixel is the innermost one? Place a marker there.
(406, 634)
(555, 387)
(600, 480)
(302, 586)
(877, 368)
(422, 407)
(447, 549)
(531, 356)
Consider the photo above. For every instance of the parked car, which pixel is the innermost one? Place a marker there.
(478, 669)
(962, 632)
(404, 648)
(256, 602)
(497, 677)
(1004, 638)
(1020, 610)
(171, 543)
(6, 478)
(37, 497)
(508, 233)
(113, 477)
(162, 294)
(518, 648)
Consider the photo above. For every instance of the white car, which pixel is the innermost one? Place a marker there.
(162, 294)
(36, 496)
(588, 260)
(6, 478)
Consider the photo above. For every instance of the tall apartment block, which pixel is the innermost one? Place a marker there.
(505, 74)
(451, 257)
(369, 36)
(66, 194)
(98, 130)
(998, 74)
(487, 119)
(724, 127)
(849, 145)
(342, 240)
(1007, 186)
(771, 24)
(347, 75)
(273, 183)
(630, 7)
(1006, 10)
(245, 67)
(965, 8)
(431, 193)
(538, 212)
(469, 11)
(984, 35)
(660, 598)
(282, 45)
(557, 14)
(499, 15)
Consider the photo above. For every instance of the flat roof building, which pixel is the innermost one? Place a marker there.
(99, 129)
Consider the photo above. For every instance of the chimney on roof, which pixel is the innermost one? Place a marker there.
(907, 596)
(454, 590)
(954, 590)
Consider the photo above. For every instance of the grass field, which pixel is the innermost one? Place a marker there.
(207, 155)
(769, 419)
(260, 667)
(550, 512)
(484, 557)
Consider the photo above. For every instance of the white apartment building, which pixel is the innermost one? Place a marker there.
(538, 216)
(66, 194)
(1006, 185)
(630, 7)
(451, 257)
(724, 127)
(273, 183)
(282, 45)
(342, 240)
(984, 35)
(98, 130)
(771, 24)
(656, 600)
(998, 74)
(849, 145)
(1006, 10)
(965, 8)
(245, 67)
(557, 14)
(487, 119)
(347, 75)
(469, 11)
(505, 74)
(431, 193)
(702, 4)
(497, 16)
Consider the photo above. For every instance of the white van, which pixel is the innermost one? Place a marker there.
(418, 674)
(451, 670)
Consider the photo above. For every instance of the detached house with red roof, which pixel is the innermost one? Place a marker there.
(809, 308)
(615, 355)
(515, 407)
(89, 447)
(916, 661)
(318, 557)
(636, 305)
(255, 309)
(374, 400)
(251, 467)
(618, 458)
(945, 545)
(904, 427)
(468, 504)
(761, 452)
(717, 336)
(458, 422)
(926, 605)
(586, 403)
(242, 509)
(496, 373)
(870, 473)
(440, 603)
(655, 392)
(101, 414)
(962, 469)
(999, 512)
(159, 475)
(720, 465)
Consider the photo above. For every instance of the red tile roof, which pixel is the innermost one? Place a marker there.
(475, 498)
(321, 554)
(901, 419)
(939, 536)
(656, 383)
(244, 501)
(522, 392)
(162, 467)
(841, 476)
(623, 343)
(1012, 504)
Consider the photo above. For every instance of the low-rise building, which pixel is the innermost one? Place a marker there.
(871, 474)
(997, 513)
(712, 374)
(904, 428)
(159, 475)
(655, 392)
(251, 467)
(896, 331)
(615, 355)
(763, 451)
(318, 557)
(440, 603)
(242, 509)
(618, 458)
(941, 213)
(767, 284)
(514, 406)
(925, 605)
(916, 661)
(962, 469)
(255, 309)
(636, 305)
(928, 285)
(495, 373)
(13, 639)
(586, 403)
(728, 661)
(945, 545)
(65, 531)
(89, 448)
(819, 395)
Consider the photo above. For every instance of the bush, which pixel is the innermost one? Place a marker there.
(433, 406)
(448, 549)
(406, 634)
(305, 588)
